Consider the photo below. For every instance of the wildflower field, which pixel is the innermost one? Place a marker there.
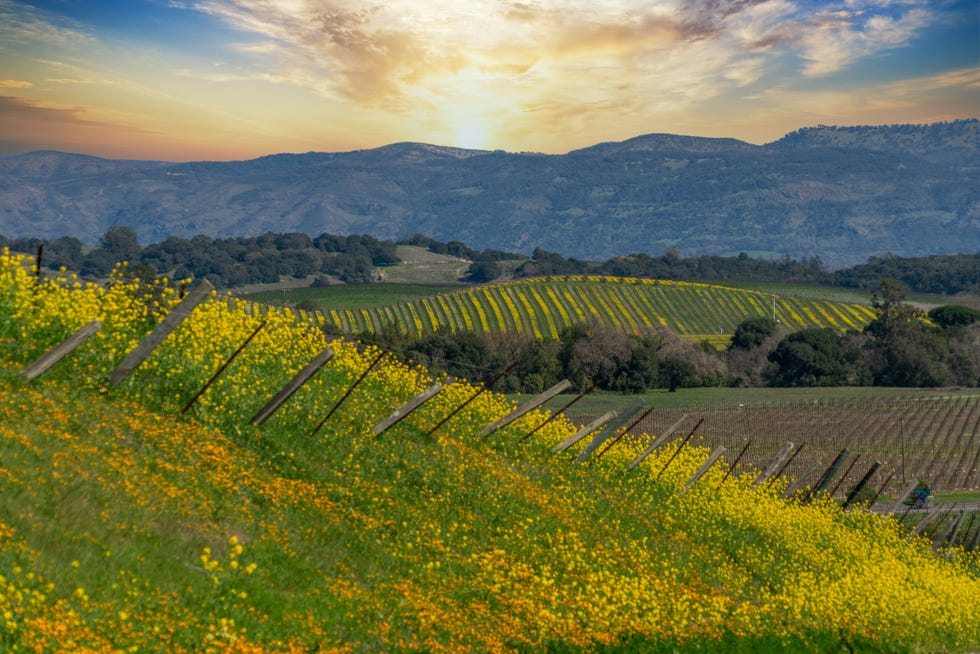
(134, 517)
(543, 307)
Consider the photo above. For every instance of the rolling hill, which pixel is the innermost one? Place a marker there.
(544, 307)
(842, 194)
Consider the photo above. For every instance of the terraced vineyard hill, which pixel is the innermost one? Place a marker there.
(543, 307)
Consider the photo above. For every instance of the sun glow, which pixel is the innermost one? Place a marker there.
(471, 135)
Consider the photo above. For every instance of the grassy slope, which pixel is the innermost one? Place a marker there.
(123, 523)
(411, 542)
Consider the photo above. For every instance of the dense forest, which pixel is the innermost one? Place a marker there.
(353, 259)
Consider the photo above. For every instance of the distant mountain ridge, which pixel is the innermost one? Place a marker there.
(840, 193)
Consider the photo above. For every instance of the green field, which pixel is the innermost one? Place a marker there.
(543, 307)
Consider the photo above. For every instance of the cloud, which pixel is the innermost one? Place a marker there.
(23, 23)
(832, 40)
(14, 84)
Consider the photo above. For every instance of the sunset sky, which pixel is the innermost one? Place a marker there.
(186, 80)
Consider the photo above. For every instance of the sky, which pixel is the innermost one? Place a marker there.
(189, 80)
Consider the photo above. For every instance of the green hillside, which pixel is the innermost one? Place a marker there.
(152, 512)
(543, 307)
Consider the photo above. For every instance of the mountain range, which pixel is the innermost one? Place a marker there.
(843, 194)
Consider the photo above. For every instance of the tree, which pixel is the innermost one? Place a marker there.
(903, 352)
(751, 333)
(120, 243)
(953, 315)
(811, 357)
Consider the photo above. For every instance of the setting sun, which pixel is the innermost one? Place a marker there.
(471, 135)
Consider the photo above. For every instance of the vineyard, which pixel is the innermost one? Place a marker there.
(934, 439)
(182, 474)
(543, 307)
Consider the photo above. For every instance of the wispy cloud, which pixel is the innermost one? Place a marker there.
(833, 40)
(391, 54)
(21, 23)
(14, 84)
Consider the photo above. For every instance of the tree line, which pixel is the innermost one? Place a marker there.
(355, 259)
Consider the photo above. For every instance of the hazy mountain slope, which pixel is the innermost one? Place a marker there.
(840, 193)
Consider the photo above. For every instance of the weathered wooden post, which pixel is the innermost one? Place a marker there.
(37, 262)
(841, 479)
(525, 408)
(292, 386)
(622, 432)
(881, 489)
(925, 521)
(676, 452)
(402, 412)
(785, 465)
(827, 476)
(611, 428)
(220, 370)
(950, 532)
(861, 484)
(902, 496)
(47, 360)
(584, 431)
(350, 390)
(660, 440)
(479, 391)
(773, 463)
(170, 322)
(557, 413)
(715, 454)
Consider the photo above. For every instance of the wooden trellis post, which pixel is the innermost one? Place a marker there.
(585, 431)
(902, 496)
(660, 440)
(677, 451)
(292, 386)
(925, 521)
(403, 411)
(827, 476)
(478, 393)
(152, 340)
(60, 351)
(844, 476)
(557, 413)
(785, 465)
(773, 463)
(610, 429)
(525, 408)
(881, 489)
(717, 452)
(949, 532)
(861, 484)
(622, 432)
(800, 481)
